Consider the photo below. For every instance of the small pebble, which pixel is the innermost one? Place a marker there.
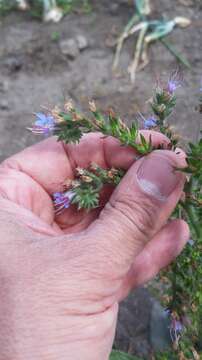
(69, 48)
(4, 105)
(3, 86)
(82, 42)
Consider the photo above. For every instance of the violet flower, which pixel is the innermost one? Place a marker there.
(44, 124)
(191, 242)
(174, 82)
(176, 329)
(62, 201)
(150, 122)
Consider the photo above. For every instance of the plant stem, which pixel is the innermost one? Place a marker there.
(174, 52)
(191, 216)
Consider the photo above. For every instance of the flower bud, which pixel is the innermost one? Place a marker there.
(92, 106)
(161, 108)
(80, 171)
(68, 106)
(86, 178)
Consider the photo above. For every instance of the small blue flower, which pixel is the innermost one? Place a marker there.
(44, 120)
(167, 311)
(149, 123)
(191, 242)
(176, 329)
(62, 201)
(174, 82)
(44, 124)
(172, 86)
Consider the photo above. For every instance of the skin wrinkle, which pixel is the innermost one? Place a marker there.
(15, 166)
(3, 194)
(140, 222)
(104, 260)
(30, 204)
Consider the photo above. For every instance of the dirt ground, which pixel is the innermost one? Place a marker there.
(34, 72)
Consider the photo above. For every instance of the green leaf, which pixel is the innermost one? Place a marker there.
(69, 134)
(119, 355)
(133, 131)
(66, 117)
(86, 198)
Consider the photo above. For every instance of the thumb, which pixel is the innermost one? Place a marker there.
(138, 208)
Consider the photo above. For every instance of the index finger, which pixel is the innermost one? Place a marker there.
(50, 162)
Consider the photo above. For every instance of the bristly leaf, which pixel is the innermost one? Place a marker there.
(71, 130)
(72, 125)
(69, 133)
(133, 131)
(163, 104)
(144, 147)
(86, 198)
(194, 160)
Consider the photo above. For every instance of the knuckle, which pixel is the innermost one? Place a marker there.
(137, 213)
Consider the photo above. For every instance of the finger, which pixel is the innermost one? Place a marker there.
(50, 162)
(138, 208)
(119, 156)
(157, 254)
(45, 162)
(22, 190)
(30, 220)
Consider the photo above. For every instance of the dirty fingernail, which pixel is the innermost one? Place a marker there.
(157, 177)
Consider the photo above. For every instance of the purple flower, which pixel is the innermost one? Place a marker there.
(174, 82)
(176, 329)
(150, 122)
(44, 124)
(62, 201)
(167, 311)
(191, 242)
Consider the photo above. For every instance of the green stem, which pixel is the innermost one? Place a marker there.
(174, 52)
(173, 284)
(191, 216)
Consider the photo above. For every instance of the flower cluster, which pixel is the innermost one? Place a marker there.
(84, 189)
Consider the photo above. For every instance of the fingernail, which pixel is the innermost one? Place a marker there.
(157, 177)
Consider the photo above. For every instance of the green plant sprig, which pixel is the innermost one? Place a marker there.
(183, 294)
(72, 125)
(88, 184)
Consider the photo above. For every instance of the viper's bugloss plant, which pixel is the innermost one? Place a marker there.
(181, 282)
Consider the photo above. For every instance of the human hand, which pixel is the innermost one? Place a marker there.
(62, 278)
